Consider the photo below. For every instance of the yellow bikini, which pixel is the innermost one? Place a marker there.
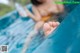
(46, 18)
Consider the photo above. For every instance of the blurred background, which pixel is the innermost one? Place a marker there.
(8, 5)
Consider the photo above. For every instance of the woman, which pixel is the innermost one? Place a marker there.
(42, 12)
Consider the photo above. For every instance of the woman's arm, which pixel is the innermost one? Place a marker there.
(35, 16)
(36, 13)
(29, 13)
(60, 6)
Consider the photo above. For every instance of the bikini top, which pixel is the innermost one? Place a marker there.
(46, 18)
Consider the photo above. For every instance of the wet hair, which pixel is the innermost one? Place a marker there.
(36, 2)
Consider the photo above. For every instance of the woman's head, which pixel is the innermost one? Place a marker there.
(37, 2)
